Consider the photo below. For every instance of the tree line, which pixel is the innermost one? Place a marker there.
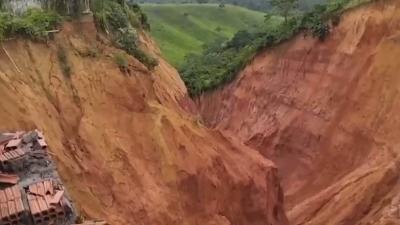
(221, 61)
(259, 5)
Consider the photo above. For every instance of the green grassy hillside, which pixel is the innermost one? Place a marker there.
(181, 29)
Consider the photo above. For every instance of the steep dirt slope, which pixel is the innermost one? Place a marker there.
(126, 146)
(328, 114)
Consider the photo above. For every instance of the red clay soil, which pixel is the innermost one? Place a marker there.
(127, 146)
(328, 114)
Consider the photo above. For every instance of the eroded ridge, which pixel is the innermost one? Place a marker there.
(31, 191)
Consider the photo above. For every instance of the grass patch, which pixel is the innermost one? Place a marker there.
(183, 29)
(121, 60)
(221, 61)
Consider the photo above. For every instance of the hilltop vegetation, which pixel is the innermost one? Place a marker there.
(120, 20)
(33, 24)
(182, 29)
(221, 61)
(259, 5)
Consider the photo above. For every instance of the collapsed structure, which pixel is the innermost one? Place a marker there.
(31, 191)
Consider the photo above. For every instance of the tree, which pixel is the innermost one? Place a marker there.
(284, 7)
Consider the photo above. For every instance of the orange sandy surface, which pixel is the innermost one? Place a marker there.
(328, 114)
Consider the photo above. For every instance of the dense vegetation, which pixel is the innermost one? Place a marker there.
(121, 20)
(34, 24)
(222, 60)
(260, 5)
(180, 29)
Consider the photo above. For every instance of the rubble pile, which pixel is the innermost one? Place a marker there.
(31, 191)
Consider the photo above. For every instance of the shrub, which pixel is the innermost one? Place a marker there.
(119, 19)
(320, 30)
(34, 24)
(64, 62)
(110, 15)
(122, 61)
(221, 61)
(91, 52)
(139, 16)
(5, 19)
(149, 61)
(128, 41)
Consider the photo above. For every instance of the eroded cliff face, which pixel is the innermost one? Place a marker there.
(127, 145)
(328, 114)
